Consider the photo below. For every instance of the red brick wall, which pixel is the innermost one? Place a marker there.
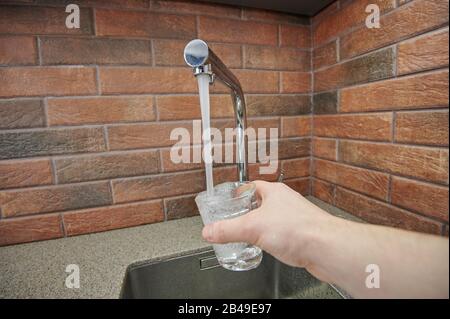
(86, 114)
(380, 127)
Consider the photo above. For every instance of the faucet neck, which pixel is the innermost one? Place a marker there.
(203, 60)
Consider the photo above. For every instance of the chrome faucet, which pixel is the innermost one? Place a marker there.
(202, 59)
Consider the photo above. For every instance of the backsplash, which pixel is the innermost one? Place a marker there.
(86, 114)
(380, 149)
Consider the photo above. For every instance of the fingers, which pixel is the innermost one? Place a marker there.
(240, 229)
(263, 188)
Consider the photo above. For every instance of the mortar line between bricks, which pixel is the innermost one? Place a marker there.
(159, 94)
(181, 122)
(135, 177)
(344, 61)
(46, 117)
(81, 155)
(389, 194)
(315, 179)
(337, 151)
(94, 21)
(424, 182)
(394, 127)
(281, 125)
(404, 209)
(135, 95)
(326, 138)
(429, 71)
(165, 209)
(328, 42)
(97, 80)
(39, 50)
(111, 189)
(243, 55)
(144, 66)
(338, 51)
(63, 225)
(338, 102)
(115, 205)
(388, 143)
(137, 202)
(184, 40)
(66, 185)
(428, 109)
(397, 40)
(361, 25)
(85, 209)
(148, 66)
(350, 29)
(279, 35)
(300, 178)
(161, 168)
(389, 79)
(54, 171)
(156, 109)
(168, 147)
(197, 26)
(347, 165)
(442, 29)
(152, 52)
(349, 189)
(131, 150)
(280, 85)
(106, 137)
(395, 64)
(334, 188)
(394, 174)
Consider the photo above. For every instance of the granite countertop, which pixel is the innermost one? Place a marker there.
(37, 270)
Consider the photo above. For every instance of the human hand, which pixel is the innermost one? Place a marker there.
(285, 224)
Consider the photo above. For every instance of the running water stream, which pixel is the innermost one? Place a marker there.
(203, 87)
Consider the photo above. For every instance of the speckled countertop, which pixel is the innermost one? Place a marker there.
(37, 270)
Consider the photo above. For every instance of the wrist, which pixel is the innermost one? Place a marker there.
(322, 242)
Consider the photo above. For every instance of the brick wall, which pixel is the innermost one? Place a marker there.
(380, 127)
(86, 114)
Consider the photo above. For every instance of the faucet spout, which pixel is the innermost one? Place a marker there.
(203, 60)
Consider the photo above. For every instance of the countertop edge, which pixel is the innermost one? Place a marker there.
(103, 258)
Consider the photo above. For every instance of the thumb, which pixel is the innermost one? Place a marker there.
(239, 229)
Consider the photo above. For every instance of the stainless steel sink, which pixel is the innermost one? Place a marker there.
(199, 276)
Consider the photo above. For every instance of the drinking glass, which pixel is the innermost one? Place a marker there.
(230, 200)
